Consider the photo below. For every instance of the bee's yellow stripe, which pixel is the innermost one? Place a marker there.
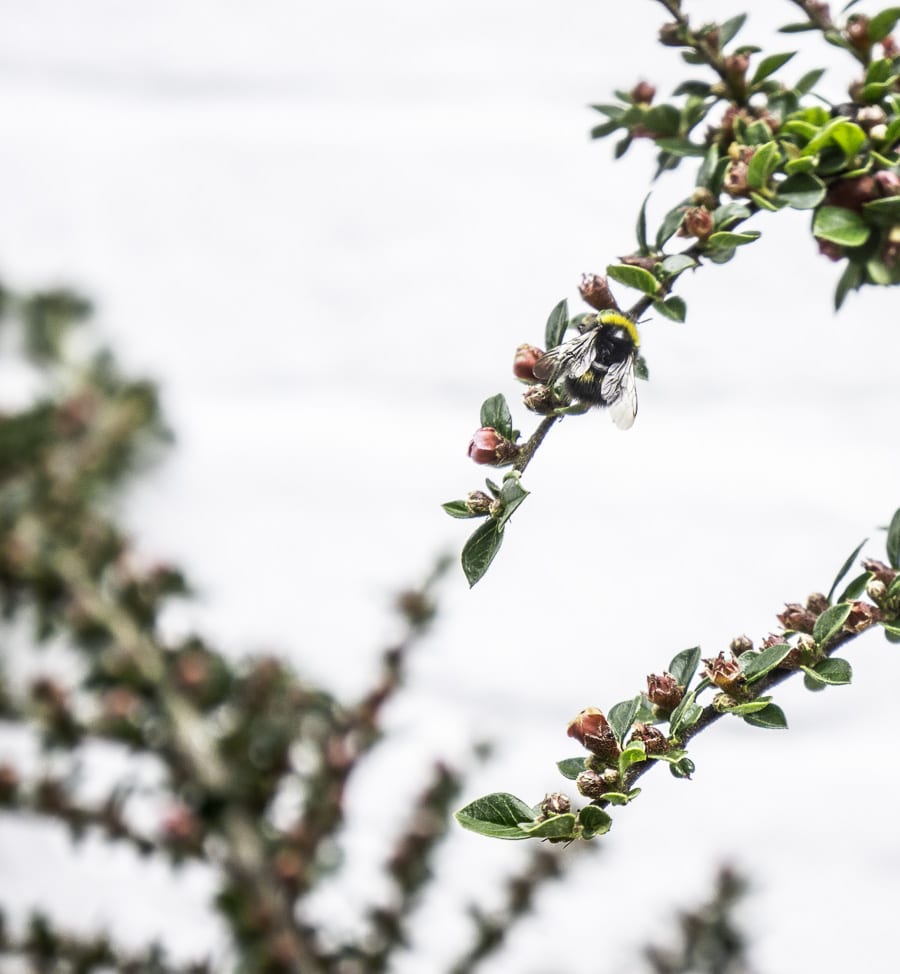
(616, 319)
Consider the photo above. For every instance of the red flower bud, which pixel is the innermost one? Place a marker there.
(523, 364)
(696, 222)
(591, 729)
(488, 446)
(643, 92)
(594, 289)
(852, 194)
(829, 249)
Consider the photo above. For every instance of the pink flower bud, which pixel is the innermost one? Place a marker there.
(488, 446)
(523, 364)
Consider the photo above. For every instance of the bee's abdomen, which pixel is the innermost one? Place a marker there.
(587, 386)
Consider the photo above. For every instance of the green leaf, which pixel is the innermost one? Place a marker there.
(851, 280)
(840, 226)
(892, 632)
(593, 821)
(675, 264)
(855, 588)
(671, 222)
(848, 564)
(829, 623)
(797, 28)
(750, 707)
(887, 208)
(700, 89)
(808, 81)
(640, 368)
(670, 757)
(555, 827)
(673, 308)
(771, 717)
(893, 541)
(762, 202)
(621, 717)
(728, 29)
(729, 214)
(769, 65)
(764, 662)
(620, 797)
(512, 493)
(663, 120)
(684, 665)
(497, 815)
(801, 191)
(481, 548)
(829, 672)
(708, 169)
(683, 768)
(556, 325)
(571, 768)
(495, 413)
(883, 23)
(633, 754)
(727, 240)
(636, 277)
(685, 715)
(763, 163)
(459, 509)
(641, 228)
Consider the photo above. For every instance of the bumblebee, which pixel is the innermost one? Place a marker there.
(598, 365)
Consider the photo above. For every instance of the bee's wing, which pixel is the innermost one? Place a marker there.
(618, 389)
(573, 358)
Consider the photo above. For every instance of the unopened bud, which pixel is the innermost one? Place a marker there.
(555, 804)
(735, 182)
(852, 194)
(591, 784)
(817, 602)
(736, 67)
(888, 182)
(829, 249)
(696, 222)
(594, 289)
(488, 446)
(523, 363)
(671, 35)
(889, 47)
(643, 93)
(876, 590)
(591, 729)
(857, 32)
(741, 644)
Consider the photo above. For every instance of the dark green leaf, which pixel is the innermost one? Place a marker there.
(764, 662)
(850, 280)
(512, 493)
(683, 768)
(772, 718)
(641, 228)
(681, 147)
(622, 146)
(685, 715)
(728, 29)
(808, 81)
(801, 191)
(892, 632)
(640, 368)
(671, 222)
(848, 564)
(610, 110)
(763, 163)
(708, 168)
(496, 815)
(593, 821)
(636, 277)
(728, 214)
(855, 588)
(726, 240)
(663, 120)
(673, 308)
(556, 325)
(758, 132)
(605, 128)
(797, 28)
(883, 23)
(684, 665)
(674, 265)
(893, 541)
(830, 622)
(700, 89)
(479, 551)
(459, 509)
(495, 413)
(571, 768)
(888, 208)
(840, 226)
(769, 65)
(556, 827)
(621, 717)
(830, 672)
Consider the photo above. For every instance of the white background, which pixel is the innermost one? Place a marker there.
(324, 228)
